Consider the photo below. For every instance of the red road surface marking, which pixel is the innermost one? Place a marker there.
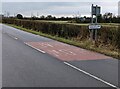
(67, 52)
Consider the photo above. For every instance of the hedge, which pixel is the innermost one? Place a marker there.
(106, 35)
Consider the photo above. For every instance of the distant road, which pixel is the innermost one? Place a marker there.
(24, 66)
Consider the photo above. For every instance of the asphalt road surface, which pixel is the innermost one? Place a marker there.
(25, 66)
(0, 56)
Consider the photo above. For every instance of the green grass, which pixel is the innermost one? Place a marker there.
(80, 24)
(52, 21)
(86, 44)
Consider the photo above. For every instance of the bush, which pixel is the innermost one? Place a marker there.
(118, 38)
(19, 16)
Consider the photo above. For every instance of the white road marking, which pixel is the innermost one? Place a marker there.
(12, 36)
(72, 53)
(67, 52)
(95, 77)
(55, 53)
(49, 45)
(44, 45)
(62, 50)
(15, 38)
(35, 48)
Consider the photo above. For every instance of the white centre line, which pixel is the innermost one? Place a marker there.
(34, 48)
(95, 77)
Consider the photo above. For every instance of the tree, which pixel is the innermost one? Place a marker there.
(19, 16)
(49, 17)
(42, 17)
(108, 17)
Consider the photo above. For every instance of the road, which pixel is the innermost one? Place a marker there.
(0, 56)
(25, 65)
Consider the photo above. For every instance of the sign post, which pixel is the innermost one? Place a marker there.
(95, 10)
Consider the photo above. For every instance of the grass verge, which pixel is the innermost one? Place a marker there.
(82, 44)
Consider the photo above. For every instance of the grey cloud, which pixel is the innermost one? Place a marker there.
(55, 8)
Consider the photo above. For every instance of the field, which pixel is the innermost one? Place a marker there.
(81, 24)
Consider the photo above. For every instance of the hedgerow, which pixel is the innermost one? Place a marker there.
(106, 35)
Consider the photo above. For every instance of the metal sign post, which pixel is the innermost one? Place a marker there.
(95, 10)
(91, 33)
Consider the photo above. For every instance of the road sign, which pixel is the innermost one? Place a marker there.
(93, 26)
(96, 10)
(93, 10)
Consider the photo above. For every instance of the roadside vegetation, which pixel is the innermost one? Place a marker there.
(73, 34)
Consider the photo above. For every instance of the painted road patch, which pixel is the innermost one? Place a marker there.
(67, 52)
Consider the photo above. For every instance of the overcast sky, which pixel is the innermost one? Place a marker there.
(57, 7)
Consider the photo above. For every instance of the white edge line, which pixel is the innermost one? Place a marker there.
(97, 78)
(34, 48)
